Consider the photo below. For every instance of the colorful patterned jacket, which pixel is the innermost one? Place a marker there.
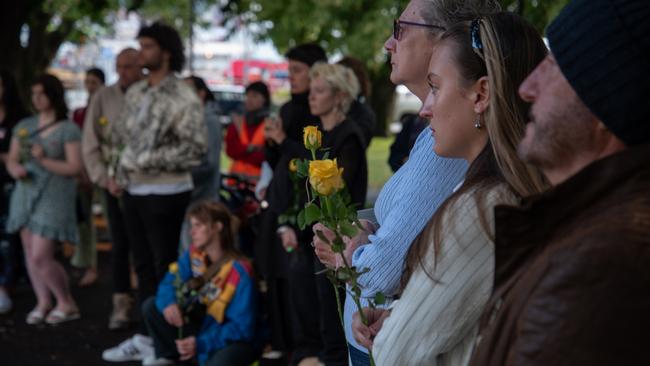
(160, 130)
(230, 299)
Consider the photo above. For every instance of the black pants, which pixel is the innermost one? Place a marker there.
(120, 248)
(316, 325)
(164, 336)
(153, 224)
(11, 256)
(304, 305)
(335, 350)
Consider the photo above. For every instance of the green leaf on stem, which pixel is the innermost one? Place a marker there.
(380, 298)
(301, 219)
(342, 274)
(302, 168)
(348, 229)
(312, 213)
(322, 237)
(338, 246)
(342, 212)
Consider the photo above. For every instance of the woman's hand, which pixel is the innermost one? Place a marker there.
(113, 188)
(186, 347)
(324, 251)
(17, 171)
(273, 131)
(172, 315)
(37, 152)
(289, 238)
(365, 334)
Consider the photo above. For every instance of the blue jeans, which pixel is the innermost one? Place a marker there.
(358, 357)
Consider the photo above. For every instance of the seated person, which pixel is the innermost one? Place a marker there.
(226, 333)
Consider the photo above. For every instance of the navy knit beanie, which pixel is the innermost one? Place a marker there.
(603, 49)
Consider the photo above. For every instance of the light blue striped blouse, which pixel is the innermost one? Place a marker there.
(404, 206)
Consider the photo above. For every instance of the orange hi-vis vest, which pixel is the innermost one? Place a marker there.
(244, 168)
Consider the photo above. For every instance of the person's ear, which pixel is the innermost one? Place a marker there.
(481, 95)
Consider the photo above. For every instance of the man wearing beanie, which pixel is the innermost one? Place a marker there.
(572, 264)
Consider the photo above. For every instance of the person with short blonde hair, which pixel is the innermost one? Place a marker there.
(342, 81)
(332, 88)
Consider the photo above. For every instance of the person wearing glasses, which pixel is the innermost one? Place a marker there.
(475, 114)
(411, 196)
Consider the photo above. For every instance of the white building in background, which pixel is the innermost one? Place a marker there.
(212, 55)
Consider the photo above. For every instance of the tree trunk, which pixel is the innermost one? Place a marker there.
(382, 98)
(42, 45)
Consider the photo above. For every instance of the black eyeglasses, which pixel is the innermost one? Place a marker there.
(397, 27)
(475, 33)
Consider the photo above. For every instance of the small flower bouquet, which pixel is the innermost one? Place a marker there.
(291, 214)
(180, 292)
(110, 154)
(329, 203)
(25, 152)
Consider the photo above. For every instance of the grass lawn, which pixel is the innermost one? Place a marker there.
(378, 169)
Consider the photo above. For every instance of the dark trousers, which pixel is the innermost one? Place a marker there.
(164, 336)
(316, 325)
(153, 224)
(11, 258)
(335, 350)
(120, 248)
(303, 301)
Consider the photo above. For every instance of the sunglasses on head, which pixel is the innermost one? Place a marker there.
(397, 27)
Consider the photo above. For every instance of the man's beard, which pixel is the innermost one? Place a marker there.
(559, 136)
(154, 65)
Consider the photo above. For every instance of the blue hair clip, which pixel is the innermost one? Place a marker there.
(474, 31)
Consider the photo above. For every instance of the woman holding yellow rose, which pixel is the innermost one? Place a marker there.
(42, 206)
(228, 332)
(317, 326)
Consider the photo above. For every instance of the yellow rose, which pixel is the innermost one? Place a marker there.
(312, 137)
(22, 133)
(103, 121)
(292, 166)
(325, 176)
(173, 268)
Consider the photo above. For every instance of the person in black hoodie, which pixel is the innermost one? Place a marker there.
(332, 91)
(284, 143)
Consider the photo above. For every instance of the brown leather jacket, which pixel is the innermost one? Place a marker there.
(572, 281)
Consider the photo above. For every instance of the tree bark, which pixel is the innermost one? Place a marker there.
(41, 46)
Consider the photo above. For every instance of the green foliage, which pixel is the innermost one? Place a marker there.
(538, 12)
(355, 27)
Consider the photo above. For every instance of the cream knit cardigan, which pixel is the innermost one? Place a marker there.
(435, 322)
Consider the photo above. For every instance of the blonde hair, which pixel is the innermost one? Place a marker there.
(340, 79)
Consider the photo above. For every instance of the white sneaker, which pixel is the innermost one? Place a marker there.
(5, 302)
(136, 348)
(152, 360)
